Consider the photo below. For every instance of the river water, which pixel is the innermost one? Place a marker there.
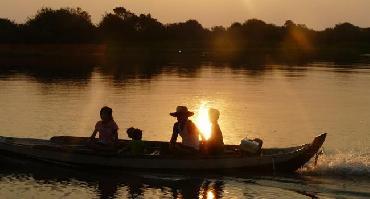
(284, 104)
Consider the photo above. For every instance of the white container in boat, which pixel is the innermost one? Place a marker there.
(249, 146)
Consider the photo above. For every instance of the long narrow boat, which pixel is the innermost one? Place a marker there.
(72, 151)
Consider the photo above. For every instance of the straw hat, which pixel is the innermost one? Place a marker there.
(182, 110)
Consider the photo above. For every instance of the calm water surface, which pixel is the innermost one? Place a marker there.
(283, 105)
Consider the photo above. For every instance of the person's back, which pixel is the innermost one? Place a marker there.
(216, 135)
(136, 146)
(107, 132)
(189, 134)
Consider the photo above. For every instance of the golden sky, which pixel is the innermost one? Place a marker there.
(317, 14)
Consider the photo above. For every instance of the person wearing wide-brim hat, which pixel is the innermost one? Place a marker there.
(185, 128)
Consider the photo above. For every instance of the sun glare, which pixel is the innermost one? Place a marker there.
(210, 194)
(202, 121)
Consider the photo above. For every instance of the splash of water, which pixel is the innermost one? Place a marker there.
(340, 163)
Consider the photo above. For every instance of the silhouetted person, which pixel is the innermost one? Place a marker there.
(186, 129)
(108, 132)
(215, 144)
(136, 146)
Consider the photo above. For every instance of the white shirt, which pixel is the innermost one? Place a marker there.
(188, 139)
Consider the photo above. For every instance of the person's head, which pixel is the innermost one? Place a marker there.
(182, 114)
(213, 115)
(134, 133)
(106, 114)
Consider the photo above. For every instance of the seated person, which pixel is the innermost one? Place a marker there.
(136, 146)
(186, 129)
(108, 131)
(215, 144)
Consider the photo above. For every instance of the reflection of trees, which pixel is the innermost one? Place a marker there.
(49, 69)
(146, 68)
(122, 69)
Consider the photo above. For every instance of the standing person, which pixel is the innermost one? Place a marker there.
(215, 144)
(186, 129)
(107, 129)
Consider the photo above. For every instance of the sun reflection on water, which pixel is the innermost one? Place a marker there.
(210, 194)
(202, 121)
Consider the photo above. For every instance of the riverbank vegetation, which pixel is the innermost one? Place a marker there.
(122, 31)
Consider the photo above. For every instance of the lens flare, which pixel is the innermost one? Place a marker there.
(202, 121)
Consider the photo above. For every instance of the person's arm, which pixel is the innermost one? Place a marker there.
(115, 134)
(174, 136)
(92, 137)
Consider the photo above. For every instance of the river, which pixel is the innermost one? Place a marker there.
(283, 104)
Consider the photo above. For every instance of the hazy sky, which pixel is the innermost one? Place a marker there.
(316, 14)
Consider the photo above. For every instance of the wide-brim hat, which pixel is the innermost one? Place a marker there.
(182, 110)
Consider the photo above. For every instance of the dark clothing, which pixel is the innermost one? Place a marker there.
(136, 147)
(216, 135)
(215, 143)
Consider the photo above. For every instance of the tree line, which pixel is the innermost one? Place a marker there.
(122, 27)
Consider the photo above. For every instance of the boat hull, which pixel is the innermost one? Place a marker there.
(284, 160)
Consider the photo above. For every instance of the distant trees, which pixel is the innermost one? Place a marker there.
(64, 25)
(344, 33)
(189, 30)
(125, 26)
(298, 36)
(260, 32)
(122, 27)
(9, 31)
(255, 33)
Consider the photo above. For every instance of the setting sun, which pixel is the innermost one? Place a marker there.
(202, 120)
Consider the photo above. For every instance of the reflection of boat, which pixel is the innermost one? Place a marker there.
(73, 151)
(106, 183)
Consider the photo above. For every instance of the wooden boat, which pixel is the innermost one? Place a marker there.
(72, 151)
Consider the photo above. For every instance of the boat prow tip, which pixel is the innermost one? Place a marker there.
(322, 135)
(319, 140)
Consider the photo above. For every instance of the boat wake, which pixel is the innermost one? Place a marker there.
(340, 164)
